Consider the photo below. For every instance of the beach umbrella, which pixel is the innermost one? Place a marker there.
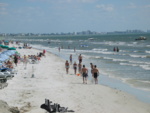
(4, 56)
(9, 52)
(5, 47)
(12, 52)
(17, 53)
(11, 48)
(1, 60)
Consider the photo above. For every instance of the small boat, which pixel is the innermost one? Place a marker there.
(141, 38)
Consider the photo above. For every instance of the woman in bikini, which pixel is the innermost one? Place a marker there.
(71, 59)
(75, 68)
(67, 66)
(79, 67)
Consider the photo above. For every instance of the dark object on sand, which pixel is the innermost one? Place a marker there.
(3, 80)
(3, 83)
(40, 54)
(54, 108)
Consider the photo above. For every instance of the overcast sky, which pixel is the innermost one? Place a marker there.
(56, 16)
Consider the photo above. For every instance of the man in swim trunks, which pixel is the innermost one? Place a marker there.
(84, 74)
(95, 74)
(80, 58)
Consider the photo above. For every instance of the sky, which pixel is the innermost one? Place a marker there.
(56, 16)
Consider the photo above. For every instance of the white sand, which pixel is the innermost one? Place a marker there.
(52, 82)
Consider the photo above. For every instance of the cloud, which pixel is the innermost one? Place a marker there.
(3, 4)
(64, 1)
(86, 1)
(132, 6)
(3, 9)
(80, 1)
(147, 6)
(37, 0)
(107, 8)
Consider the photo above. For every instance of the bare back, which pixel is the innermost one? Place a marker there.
(95, 70)
(84, 70)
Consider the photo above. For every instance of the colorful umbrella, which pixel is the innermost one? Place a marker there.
(11, 48)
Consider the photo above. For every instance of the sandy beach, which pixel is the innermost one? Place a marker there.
(51, 81)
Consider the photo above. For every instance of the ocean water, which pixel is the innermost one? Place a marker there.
(127, 70)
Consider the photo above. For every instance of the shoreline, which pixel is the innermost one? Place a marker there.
(112, 82)
(52, 82)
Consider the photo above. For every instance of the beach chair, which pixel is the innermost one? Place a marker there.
(54, 108)
(6, 75)
(33, 61)
(12, 71)
(3, 80)
(3, 83)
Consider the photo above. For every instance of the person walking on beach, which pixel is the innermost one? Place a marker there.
(80, 58)
(71, 59)
(92, 67)
(84, 74)
(16, 60)
(25, 61)
(75, 68)
(95, 74)
(79, 67)
(67, 66)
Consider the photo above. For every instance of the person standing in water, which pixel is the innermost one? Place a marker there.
(95, 74)
(67, 66)
(114, 49)
(71, 59)
(117, 49)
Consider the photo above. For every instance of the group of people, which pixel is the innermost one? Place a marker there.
(82, 69)
(68, 48)
(29, 58)
(116, 49)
